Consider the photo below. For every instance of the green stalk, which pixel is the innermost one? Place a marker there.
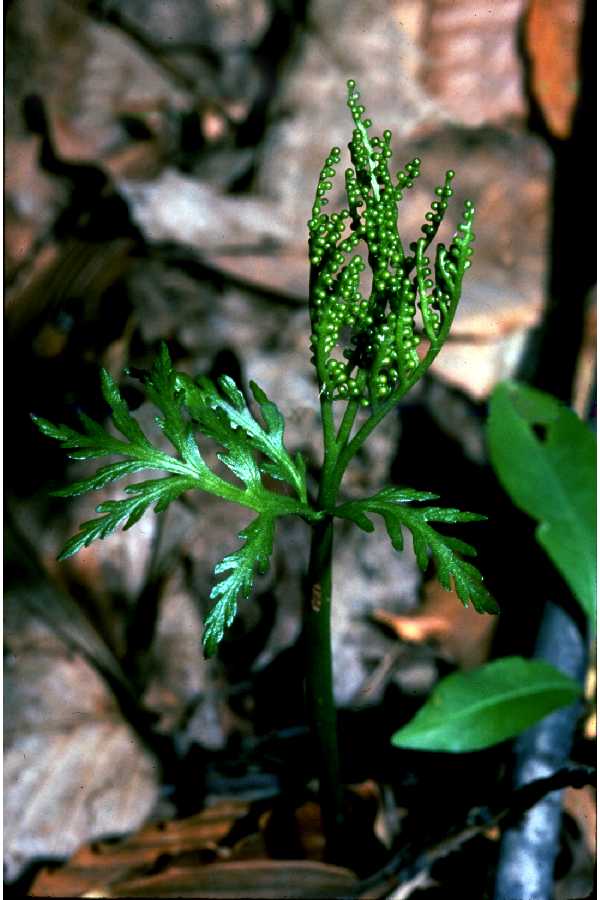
(319, 682)
(317, 647)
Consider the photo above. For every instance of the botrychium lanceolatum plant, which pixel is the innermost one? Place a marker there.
(371, 342)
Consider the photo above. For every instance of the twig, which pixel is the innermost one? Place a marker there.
(410, 861)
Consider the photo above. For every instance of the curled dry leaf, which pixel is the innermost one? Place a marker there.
(94, 868)
(249, 879)
(581, 806)
(463, 40)
(552, 34)
(217, 853)
(462, 635)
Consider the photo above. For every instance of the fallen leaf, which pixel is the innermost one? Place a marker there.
(74, 770)
(464, 40)
(552, 35)
(249, 879)
(95, 867)
(461, 634)
(585, 374)
(581, 806)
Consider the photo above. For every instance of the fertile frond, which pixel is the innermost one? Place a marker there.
(380, 355)
(390, 505)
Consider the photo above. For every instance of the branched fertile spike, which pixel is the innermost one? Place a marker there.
(375, 334)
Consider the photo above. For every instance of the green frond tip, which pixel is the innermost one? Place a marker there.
(253, 557)
(221, 412)
(452, 571)
(158, 492)
(364, 347)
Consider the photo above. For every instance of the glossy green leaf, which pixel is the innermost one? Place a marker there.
(158, 492)
(185, 407)
(452, 571)
(472, 710)
(252, 557)
(550, 477)
(221, 412)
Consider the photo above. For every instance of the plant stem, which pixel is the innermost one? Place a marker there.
(319, 681)
(349, 449)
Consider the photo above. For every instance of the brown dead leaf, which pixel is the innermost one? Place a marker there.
(461, 634)
(248, 879)
(73, 768)
(472, 64)
(585, 374)
(74, 270)
(581, 806)
(95, 867)
(552, 35)
(194, 857)
(299, 830)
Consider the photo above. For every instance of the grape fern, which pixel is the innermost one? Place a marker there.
(368, 351)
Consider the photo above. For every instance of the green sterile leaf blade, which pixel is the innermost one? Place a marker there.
(253, 556)
(216, 623)
(121, 416)
(244, 466)
(200, 398)
(394, 530)
(459, 546)
(552, 479)
(272, 469)
(105, 475)
(233, 393)
(473, 710)
(163, 388)
(421, 548)
(354, 513)
(468, 582)
(92, 429)
(300, 464)
(273, 418)
(58, 432)
(427, 542)
(247, 432)
(94, 442)
(452, 516)
(170, 391)
(160, 491)
(404, 495)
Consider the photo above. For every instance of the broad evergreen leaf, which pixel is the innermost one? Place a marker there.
(472, 710)
(390, 505)
(553, 478)
(242, 565)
